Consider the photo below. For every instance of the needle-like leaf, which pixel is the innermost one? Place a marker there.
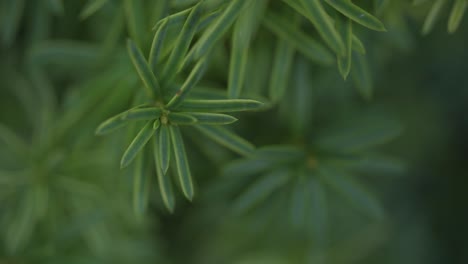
(351, 191)
(156, 47)
(116, 121)
(91, 7)
(212, 119)
(357, 14)
(150, 113)
(371, 164)
(144, 71)
(299, 202)
(162, 154)
(362, 76)
(181, 119)
(360, 133)
(137, 144)
(303, 43)
(11, 19)
(260, 190)
(346, 29)
(182, 165)
(227, 139)
(216, 30)
(244, 28)
(280, 153)
(111, 124)
(174, 63)
(191, 81)
(324, 24)
(282, 66)
(318, 208)
(165, 187)
(432, 16)
(217, 106)
(141, 186)
(456, 15)
(174, 19)
(247, 167)
(358, 46)
(135, 18)
(163, 145)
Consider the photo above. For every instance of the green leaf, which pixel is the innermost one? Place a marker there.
(11, 20)
(121, 119)
(351, 191)
(207, 93)
(260, 190)
(358, 46)
(181, 119)
(280, 153)
(323, 23)
(141, 186)
(156, 124)
(174, 19)
(318, 210)
(432, 16)
(456, 15)
(344, 63)
(182, 164)
(282, 66)
(149, 113)
(216, 106)
(299, 203)
(137, 144)
(111, 124)
(212, 119)
(174, 63)
(372, 164)
(237, 65)
(305, 44)
(156, 47)
(135, 18)
(357, 14)
(91, 7)
(177, 19)
(163, 152)
(244, 28)
(213, 33)
(144, 71)
(165, 187)
(302, 95)
(227, 139)
(359, 133)
(192, 80)
(362, 77)
(247, 167)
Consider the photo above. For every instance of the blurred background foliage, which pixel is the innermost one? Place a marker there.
(371, 169)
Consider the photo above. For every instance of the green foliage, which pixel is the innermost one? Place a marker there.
(153, 85)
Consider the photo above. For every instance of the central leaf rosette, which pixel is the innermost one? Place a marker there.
(174, 108)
